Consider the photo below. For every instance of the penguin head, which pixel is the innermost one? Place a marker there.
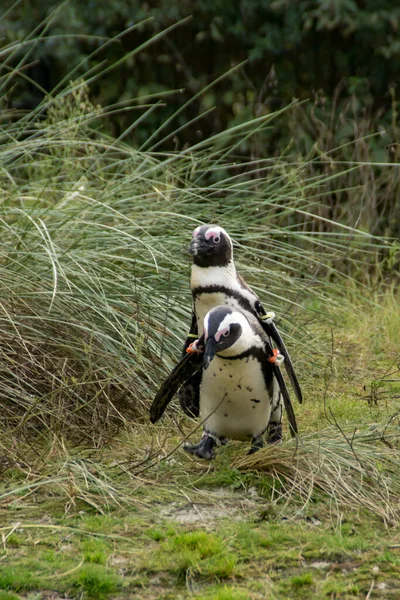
(227, 332)
(211, 246)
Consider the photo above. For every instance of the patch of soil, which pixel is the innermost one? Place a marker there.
(224, 504)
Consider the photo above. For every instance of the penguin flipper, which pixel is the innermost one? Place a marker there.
(286, 401)
(186, 367)
(272, 331)
(189, 395)
(276, 336)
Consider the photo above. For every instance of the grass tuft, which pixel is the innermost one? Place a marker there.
(96, 581)
(7, 596)
(94, 551)
(19, 581)
(196, 553)
(353, 468)
(300, 581)
(224, 592)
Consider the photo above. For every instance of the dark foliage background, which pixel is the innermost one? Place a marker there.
(340, 56)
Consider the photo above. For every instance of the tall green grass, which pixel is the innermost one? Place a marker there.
(94, 295)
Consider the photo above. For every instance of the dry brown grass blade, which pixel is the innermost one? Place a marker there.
(362, 473)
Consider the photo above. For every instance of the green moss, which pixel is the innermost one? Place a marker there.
(13, 541)
(18, 579)
(196, 551)
(338, 588)
(97, 581)
(299, 581)
(95, 551)
(224, 593)
(99, 523)
(225, 476)
(156, 534)
(205, 544)
(8, 596)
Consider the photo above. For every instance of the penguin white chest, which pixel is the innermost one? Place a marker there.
(234, 398)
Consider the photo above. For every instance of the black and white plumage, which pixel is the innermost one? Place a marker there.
(237, 387)
(237, 391)
(215, 282)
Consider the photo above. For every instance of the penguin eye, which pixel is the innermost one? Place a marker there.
(221, 333)
(216, 239)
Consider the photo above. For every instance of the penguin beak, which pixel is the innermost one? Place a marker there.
(198, 245)
(209, 352)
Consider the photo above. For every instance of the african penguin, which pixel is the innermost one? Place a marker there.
(215, 282)
(237, 384)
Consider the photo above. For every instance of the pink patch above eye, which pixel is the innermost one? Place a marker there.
(196, 231)
(214, 233)
(221, 333)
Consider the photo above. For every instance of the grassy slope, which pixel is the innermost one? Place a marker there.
(95, 306)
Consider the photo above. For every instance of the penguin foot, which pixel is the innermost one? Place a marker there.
(204, 449)
(274, 433)
(256, 444)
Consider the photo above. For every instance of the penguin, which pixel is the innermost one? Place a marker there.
(215, 281)
(237, 380)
